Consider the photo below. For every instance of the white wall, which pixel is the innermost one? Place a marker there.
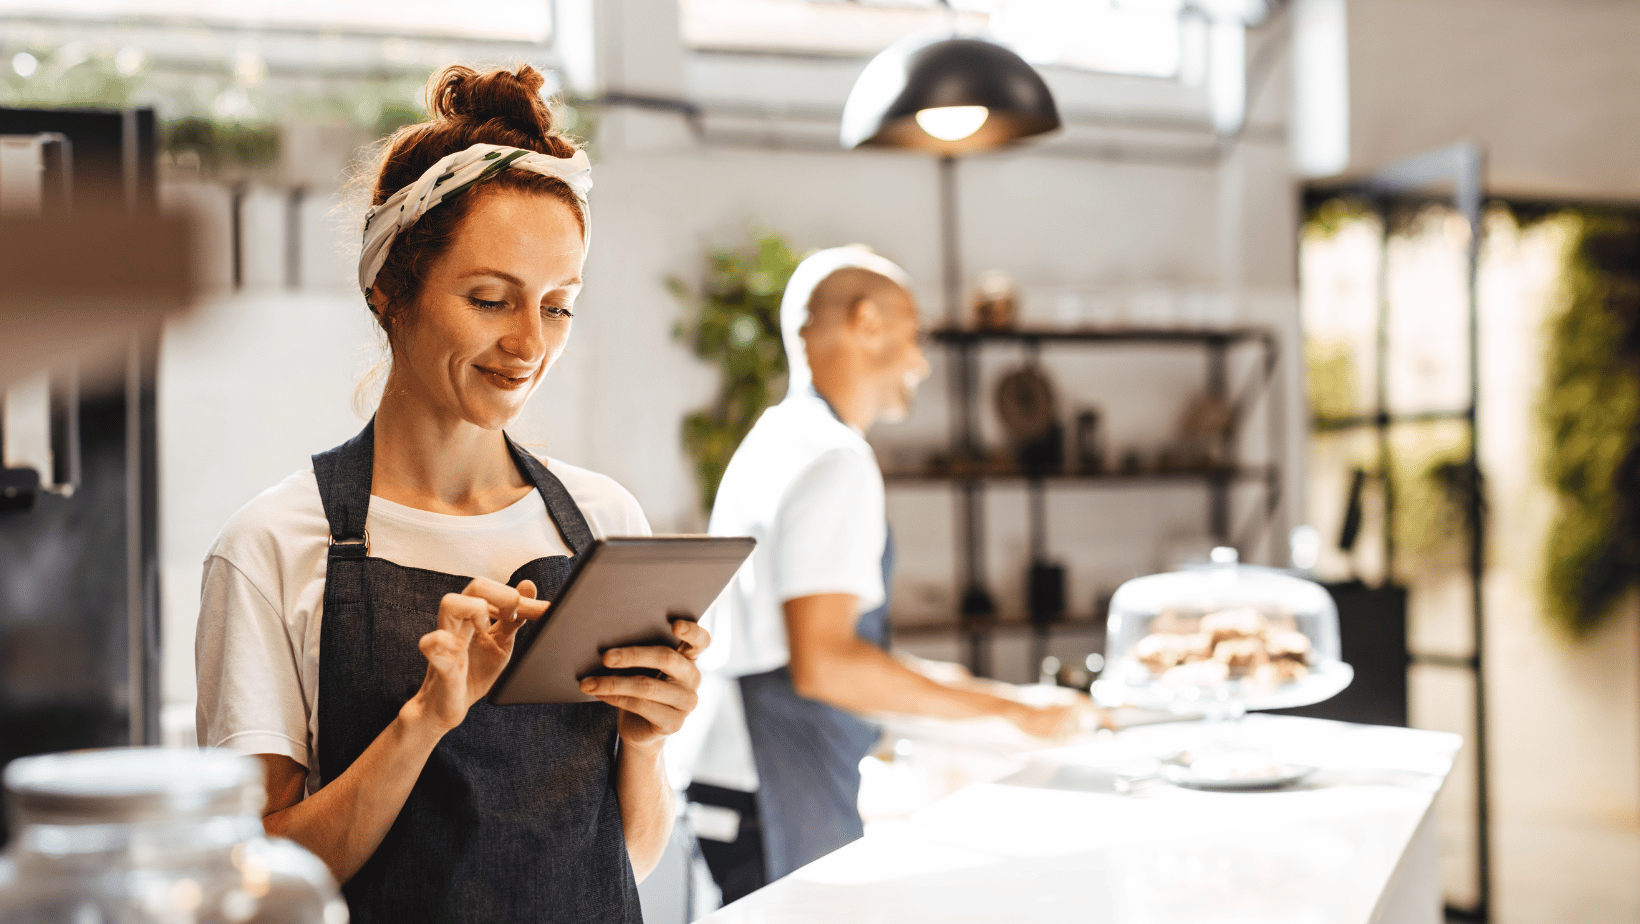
(1549, 87)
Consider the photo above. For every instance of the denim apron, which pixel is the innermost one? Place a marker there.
(514, 817)
(808, 756)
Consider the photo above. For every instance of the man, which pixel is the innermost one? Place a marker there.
(803, 631)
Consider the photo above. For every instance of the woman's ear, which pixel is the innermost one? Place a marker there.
(376, 300)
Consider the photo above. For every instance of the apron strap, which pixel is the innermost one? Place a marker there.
(344, 476)
(565, 513)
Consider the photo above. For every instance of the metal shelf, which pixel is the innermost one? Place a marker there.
(1083, 623)
(968, 486)
(1204, 476)
(1136, 335)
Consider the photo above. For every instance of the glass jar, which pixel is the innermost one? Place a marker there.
(1221, 639)
(152, 836)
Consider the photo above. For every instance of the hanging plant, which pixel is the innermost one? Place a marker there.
(1434, 492)
(221, 145)
(1590, 410)
(736, 327)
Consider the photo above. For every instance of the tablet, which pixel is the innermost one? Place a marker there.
(623, 591)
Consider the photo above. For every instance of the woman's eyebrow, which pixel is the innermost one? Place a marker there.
(510, 279)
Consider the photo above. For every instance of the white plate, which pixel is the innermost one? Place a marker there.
(1232, 770)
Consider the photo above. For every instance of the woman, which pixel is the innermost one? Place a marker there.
(424, 542)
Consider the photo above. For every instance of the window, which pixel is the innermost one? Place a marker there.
(1135, 37)
(515, 20)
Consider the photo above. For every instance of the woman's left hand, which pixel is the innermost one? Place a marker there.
(653, 707)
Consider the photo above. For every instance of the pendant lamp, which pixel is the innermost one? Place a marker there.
(951, 96)
(946, 96)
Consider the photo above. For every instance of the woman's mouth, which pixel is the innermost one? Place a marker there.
(501, 379)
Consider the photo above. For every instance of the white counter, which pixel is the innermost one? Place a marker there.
(1352, 843)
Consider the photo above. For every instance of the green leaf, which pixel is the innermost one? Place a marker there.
(735, 325)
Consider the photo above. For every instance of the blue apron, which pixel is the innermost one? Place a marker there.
(808, 756)
(514, 817)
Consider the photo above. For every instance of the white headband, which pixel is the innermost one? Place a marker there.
(452, 174)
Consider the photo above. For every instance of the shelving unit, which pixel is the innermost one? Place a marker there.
(969, 475)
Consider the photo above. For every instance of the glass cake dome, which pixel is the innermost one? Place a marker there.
(1221, 639)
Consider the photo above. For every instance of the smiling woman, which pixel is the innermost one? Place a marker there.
(354, 616)
(492, 313)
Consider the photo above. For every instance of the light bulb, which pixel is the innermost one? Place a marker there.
(952, 123)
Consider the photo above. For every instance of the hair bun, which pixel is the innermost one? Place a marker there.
(461, 94)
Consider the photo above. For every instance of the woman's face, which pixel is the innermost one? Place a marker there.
(494, 311)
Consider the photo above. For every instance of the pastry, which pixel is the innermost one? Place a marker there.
(1233, 624)
(1240, 654)
(1160, 651)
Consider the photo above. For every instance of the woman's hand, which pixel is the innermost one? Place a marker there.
(473, 642)
(652, 708)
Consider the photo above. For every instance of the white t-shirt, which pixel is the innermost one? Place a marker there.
(807, 487)
(257, 645)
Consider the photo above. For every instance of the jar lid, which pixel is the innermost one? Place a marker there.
(133, 784)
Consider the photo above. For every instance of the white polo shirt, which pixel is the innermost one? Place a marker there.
(807, 487)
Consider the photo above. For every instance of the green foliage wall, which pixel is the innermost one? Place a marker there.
(1590, 409)
(735, 325)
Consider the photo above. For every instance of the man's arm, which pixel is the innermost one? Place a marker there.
(831, 664)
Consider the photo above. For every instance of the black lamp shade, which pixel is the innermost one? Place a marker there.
(922, 72)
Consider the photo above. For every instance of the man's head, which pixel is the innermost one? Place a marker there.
(849, 314)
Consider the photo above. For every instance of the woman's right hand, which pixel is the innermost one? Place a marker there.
(472, 644)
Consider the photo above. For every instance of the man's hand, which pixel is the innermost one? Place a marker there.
(470, 647)
(1059, 722)
(651, 707)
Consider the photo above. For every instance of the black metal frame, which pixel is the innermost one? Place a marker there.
(114, 164)
(1462, 168)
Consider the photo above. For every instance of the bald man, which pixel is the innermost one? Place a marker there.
(801, 638)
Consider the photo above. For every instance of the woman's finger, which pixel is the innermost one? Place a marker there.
(665, 718)
(442, 649)
(663, 692)
(503, 598)
(463, 615)
(658, 658)
(694, 637)
(508, 628)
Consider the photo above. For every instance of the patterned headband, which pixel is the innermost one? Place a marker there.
(452, 174)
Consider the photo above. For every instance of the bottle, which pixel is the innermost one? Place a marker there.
(152, 836)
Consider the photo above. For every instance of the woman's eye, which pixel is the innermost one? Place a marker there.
(557, 311)
(486, 305)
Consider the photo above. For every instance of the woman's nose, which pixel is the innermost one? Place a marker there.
(526, 338)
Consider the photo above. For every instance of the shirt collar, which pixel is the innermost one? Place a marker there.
(839, 417)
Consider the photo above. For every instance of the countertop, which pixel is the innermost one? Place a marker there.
(1063, 834)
